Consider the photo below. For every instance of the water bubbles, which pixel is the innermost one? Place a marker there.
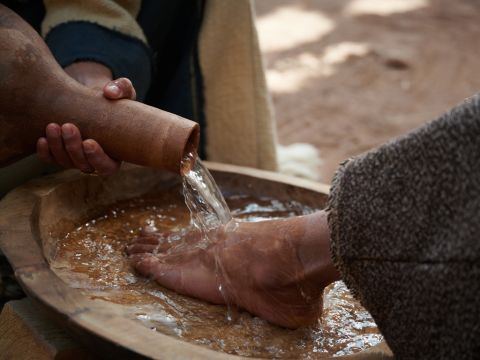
(93, 259)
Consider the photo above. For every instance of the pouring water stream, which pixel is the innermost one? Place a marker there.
(208, 209)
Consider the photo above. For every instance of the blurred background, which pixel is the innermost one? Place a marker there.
(347, 75)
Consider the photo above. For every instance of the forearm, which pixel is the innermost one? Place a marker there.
(90, 74)
(105, 32)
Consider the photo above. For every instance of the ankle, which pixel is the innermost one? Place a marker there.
(314, 250)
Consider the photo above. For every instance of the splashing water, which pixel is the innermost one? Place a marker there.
(204, 199)
(208, 211)
(92, 259)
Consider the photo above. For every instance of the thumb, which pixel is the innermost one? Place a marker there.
(121, 88)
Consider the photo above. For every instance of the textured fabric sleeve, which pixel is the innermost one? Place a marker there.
(103, 31)
(405, 225)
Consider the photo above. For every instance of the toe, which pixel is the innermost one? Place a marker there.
(141, 249)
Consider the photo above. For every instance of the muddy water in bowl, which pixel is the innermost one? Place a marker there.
(92, 258)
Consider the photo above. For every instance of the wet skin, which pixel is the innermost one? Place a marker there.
(64, 145)
(275, 269)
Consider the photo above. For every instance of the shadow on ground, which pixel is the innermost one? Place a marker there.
(364, 77)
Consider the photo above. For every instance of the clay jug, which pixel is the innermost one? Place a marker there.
(34, 91)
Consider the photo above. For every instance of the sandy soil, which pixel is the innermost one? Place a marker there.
(346, 75)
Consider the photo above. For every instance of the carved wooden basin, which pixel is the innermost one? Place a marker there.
(34, 215)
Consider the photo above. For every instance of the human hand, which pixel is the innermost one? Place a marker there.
(275, 269)
(63, 144)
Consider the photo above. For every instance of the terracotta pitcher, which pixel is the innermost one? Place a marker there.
(34, 91)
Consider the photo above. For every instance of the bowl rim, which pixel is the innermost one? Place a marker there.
(96, 324)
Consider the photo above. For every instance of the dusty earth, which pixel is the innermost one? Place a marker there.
(346, 75)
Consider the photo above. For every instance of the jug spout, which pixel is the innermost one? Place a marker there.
(35, 91)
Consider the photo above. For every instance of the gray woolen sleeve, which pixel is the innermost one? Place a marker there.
(405, 227)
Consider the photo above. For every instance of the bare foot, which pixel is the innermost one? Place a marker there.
(275, 269)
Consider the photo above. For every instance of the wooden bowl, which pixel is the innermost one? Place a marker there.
(34, 215)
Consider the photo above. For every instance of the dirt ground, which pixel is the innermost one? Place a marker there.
(346, 75)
